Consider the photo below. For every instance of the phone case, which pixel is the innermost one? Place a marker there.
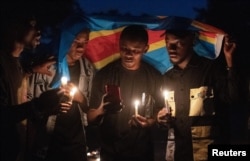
(113, 92)
(114, 97)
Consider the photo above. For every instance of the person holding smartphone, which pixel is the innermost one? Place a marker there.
(124, 135)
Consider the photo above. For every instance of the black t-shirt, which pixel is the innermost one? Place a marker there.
(116, 135)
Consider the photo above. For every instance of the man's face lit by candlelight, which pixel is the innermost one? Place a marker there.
(78, 47)
(131, 53)
(180, 49)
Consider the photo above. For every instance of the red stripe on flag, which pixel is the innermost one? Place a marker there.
(155, 36)
(206, 27)
(102, 47)
(208, 34)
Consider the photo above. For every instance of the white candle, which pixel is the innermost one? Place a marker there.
(64, 81)
(136, 107)
(166, 95)
(72, 93)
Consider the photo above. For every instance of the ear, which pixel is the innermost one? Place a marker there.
(146, 49)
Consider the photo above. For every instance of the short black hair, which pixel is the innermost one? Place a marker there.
(135, 33)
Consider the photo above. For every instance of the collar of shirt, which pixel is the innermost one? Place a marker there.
(193, 63)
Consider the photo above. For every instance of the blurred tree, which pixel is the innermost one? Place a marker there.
(233, 16)
(48, 12)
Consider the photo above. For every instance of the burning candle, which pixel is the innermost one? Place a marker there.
(64, 81)
(72, 93)
(136, 107)
(166, 95)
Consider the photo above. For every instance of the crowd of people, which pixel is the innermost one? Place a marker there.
(41, 120)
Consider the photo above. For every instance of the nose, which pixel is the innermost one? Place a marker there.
(128, 52)
(81, 45)
(171, 46)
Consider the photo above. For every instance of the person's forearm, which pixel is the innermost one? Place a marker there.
(17, 113)
(229, 61)
(83, 104)
(94, 113)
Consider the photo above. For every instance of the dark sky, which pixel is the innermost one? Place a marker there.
(138, 7)
(53, 11)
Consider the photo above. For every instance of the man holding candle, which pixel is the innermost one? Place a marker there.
(14, 106)
(200, 89)
(125, 135)
(63, 135)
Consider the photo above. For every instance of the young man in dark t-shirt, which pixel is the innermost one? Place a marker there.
(124, 135)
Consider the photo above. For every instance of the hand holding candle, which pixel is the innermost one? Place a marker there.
(69, 90)
(136, 107)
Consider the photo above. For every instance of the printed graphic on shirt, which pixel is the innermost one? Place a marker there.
(171, 102)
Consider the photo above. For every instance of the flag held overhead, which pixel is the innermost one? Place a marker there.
(103, 45)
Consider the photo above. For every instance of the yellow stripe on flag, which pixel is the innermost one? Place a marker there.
(156, 45)
(207, 39)
(95, 34)
(100, 64)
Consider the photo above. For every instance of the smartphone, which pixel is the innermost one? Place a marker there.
(114, 98)
(113, 93)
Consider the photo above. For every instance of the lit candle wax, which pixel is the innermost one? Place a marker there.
(136, 107)
(166, 95)
(72, 93)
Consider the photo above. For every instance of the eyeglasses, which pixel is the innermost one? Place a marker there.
(132, 51)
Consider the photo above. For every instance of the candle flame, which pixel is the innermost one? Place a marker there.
(166, 94)
(64, 81)
(73, 91)
(137, 102)
(136, 107)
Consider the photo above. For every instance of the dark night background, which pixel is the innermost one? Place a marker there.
(233, 16)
